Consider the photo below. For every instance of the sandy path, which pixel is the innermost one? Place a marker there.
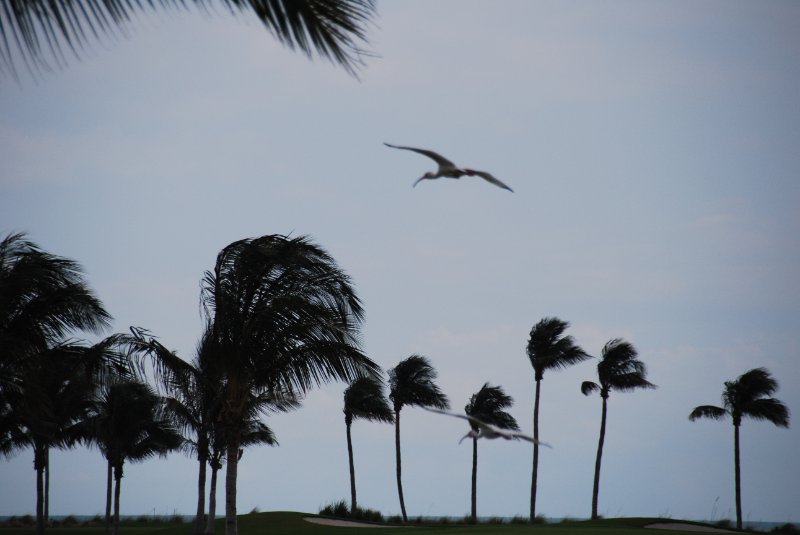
(680, 526)
(343, 523)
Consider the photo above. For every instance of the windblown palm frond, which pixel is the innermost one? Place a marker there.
(549, 348)
(488, 404)
(364, 399)
(38, 32)
(411, 383)
(43, 298)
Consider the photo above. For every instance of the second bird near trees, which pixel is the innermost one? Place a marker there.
(485, 430)
(449, 169)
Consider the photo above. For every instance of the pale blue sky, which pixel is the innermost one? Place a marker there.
(653, 150)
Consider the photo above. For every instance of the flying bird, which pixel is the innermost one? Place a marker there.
(488, 430)
(449, 169)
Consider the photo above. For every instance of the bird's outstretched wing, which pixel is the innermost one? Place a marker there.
(522, 436)
(438, 158)
(479, 423)
(488, 177)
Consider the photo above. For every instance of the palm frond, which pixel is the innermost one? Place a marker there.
(365, 399)
(487, 405)
(708, 411)
(588, 387)
(40, 31)
(412, 382)
(769, 409)
(549, 348)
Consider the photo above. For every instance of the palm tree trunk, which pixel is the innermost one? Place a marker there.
(201, 495)
(535, 472)
(212, 499)
(230, 487)
(737, 476)
(596, 487)
(474, 480)
(109, 479)
(47, 486)
(353, 504)
(38, 465)
(117, 489)
(397, 457)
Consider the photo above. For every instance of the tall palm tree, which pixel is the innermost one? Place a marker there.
(128, 422)
(40, 31)
(548, 349)
(487, 405)
(285, 318)
(746, 396)
(620, 370)
(363, 399)
(411, 383)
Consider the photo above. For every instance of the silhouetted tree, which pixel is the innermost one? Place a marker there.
(548, 349)
(487, 405)
(620, 370)
(411, 383)
(285, 318)
(746, 396)
(363, 399)
(128, 422)
(40, 31)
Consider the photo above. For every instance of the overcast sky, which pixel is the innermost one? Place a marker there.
(653, 150)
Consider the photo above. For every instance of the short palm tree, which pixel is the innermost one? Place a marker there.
(128, 422)
(194, 397)
(363, 399)
(411, 383)
(284, 319)
(548, 349)
(746, 396)
(34, 30)
(51, 392)
(487, 405)
(620, 370)
(51, 398)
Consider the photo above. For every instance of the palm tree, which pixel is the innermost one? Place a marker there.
(487, 405)
(128, 422)
(620, 370)
(284, 319)
(195, 401)
(746, 396)
(50, 399)
(364, 399)
(548, 349)
(52, 392)
(40, 31)
(411, 383)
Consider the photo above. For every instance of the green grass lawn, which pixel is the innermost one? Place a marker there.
(290, 523)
